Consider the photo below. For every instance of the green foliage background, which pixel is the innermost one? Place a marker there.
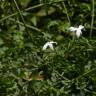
(27, 70)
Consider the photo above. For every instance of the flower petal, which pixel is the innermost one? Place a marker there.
(81, 27)
(78, 33)
(72, 29)
(51, 46)
(46, 45)
(51, 42)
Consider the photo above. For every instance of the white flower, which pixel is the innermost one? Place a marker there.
(77, 30)
(49, 44)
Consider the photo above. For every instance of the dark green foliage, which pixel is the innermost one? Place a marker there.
(27, 70)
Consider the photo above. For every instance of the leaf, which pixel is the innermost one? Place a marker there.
(24, 3)
(1, 42)
(2, 50)
(53, 23)
(64, 26)
(85, 7)
(34, 20)
(43, 12)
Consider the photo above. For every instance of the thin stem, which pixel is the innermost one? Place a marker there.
(19, 12)
(61, 75)
(63, 3)
(92, 21)
(90, 92)
(22, 18)
(27, 9)
(85, 73)
(29, 26)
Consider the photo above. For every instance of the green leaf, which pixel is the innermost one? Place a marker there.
(34, 20)
(24, 3)
(1, 42)
(53, 23)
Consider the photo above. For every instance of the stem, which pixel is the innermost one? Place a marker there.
(22, 18)
(20, 12)
(63, 3)
(29, 26)
(27, 9)
(90, 91)
(62, 76)
(86, 73)
(92, 21)
(30, 8)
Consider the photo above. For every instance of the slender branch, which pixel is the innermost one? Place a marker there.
(90, 92)
(33, 7)
(29, 26)
(85, 73)
(62, 76)
(92, 21)
(22, 18)
(63, 3)
(20, 12)
(27, 9)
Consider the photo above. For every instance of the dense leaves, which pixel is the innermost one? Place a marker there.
(26, 69)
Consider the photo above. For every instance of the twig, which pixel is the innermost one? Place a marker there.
(92, 21)
(85, 73)
(90, 92)
(62, 76)
(30, 8)
(27, 9)
(63, 3)
(19, 12)
(29, 26)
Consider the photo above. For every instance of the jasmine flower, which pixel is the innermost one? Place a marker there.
(77, 30)
(49, 44)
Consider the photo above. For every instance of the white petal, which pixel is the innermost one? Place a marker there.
(72, 29)
(78, 33)
(51, 42)
(51, 46)
(46, 45)
(81, 27)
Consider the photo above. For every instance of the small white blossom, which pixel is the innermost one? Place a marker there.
(49, 44)
(77, 30)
